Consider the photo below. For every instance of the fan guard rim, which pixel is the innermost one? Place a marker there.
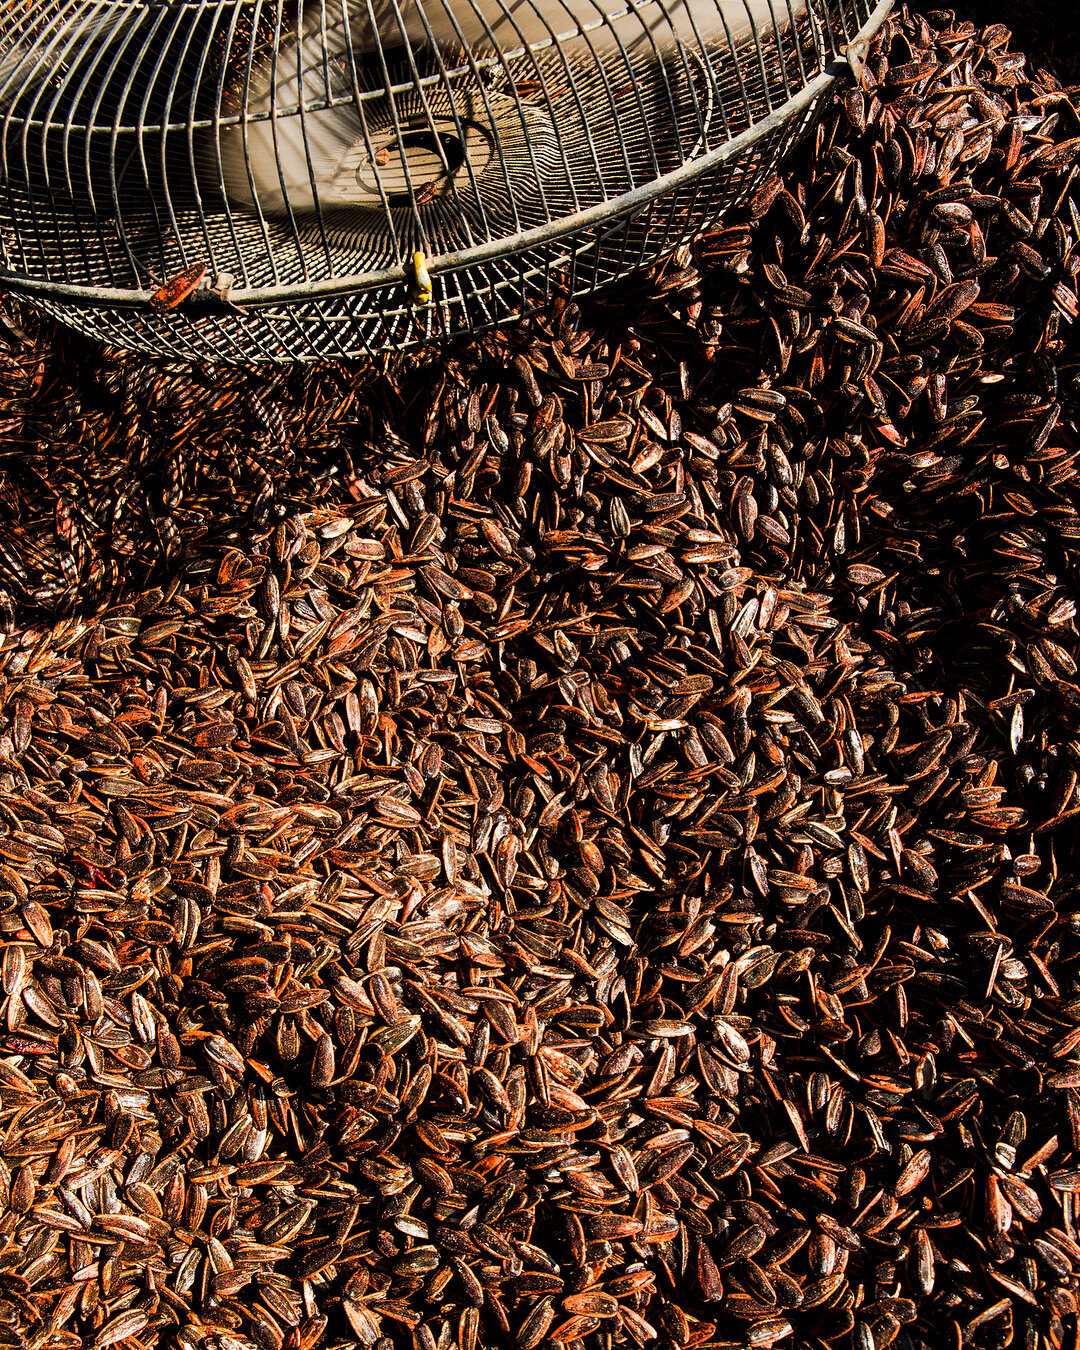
(626, 204)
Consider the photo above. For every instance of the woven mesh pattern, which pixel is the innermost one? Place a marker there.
(293, 161)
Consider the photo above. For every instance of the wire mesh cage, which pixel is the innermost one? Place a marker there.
(245, 180)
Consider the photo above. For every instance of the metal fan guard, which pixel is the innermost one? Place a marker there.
(55, 249)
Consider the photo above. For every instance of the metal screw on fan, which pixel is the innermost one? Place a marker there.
(295, 181)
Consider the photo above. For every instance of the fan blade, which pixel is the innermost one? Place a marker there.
(305, 141)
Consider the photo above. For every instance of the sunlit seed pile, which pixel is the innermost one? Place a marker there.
(570, 841)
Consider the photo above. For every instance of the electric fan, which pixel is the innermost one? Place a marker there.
(289, 180)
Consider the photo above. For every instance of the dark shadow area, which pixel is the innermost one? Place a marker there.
(1045, 29)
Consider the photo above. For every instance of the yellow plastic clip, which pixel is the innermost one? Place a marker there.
(421, 280)
(855, 55)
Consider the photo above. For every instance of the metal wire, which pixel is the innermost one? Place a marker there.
(249, 180)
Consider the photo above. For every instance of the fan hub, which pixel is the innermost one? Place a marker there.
(423, 157)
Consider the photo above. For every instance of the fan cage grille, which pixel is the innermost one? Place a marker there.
(96, 213)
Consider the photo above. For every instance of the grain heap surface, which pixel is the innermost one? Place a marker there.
(571, 842)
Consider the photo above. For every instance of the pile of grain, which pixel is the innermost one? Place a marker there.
(571, 841)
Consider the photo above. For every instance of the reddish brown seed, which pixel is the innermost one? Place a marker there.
(177, 289)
